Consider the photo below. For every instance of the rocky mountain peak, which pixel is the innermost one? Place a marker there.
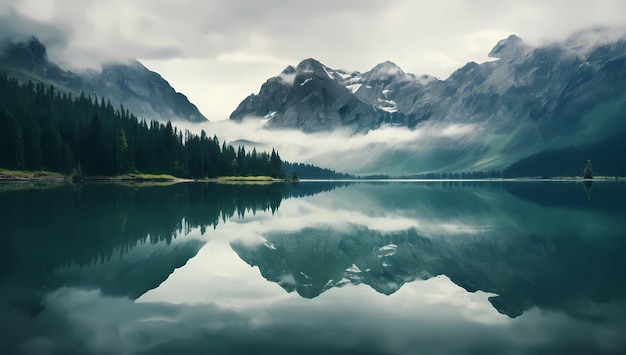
(30, 52)
(509, 47)
(289, 70)
(309, 65)
(387, 69)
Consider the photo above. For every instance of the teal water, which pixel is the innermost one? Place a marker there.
(317, 268)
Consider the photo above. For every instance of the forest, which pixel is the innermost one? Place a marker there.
(308, 171)
(42, 128)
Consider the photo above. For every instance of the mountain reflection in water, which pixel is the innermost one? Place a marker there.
(376, 268)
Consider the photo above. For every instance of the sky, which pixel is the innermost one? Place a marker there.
(219, 52)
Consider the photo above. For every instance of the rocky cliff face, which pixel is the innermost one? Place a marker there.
(143, 92)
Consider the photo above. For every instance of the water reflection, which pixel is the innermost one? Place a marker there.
(360, 268)
(46, 227)
(482, 238)
(588, 184)
(120, 239)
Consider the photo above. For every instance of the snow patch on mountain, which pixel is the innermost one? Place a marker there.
(386, 251)
(346, 75)
(270, 115)
(387, 105)
(269, 245)
(353, 87)
(353, 269)
(331, 74)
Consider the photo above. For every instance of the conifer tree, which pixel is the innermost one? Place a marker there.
(41, 127)
(588, 172)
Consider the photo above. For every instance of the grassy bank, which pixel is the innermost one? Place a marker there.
(36, 176)
(48, 176)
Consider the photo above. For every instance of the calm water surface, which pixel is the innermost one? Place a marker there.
(317, 268)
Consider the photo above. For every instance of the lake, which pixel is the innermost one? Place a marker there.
(482, 267)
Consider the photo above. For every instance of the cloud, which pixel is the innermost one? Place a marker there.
(16, 28)
(86, 321)
(388, 150)
(422, 37)
(161, 30)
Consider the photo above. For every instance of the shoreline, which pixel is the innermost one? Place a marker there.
(43, 177)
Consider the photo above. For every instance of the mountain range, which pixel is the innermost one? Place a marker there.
(551, 84)
(525, 101)
(530, 111)
(141, 91)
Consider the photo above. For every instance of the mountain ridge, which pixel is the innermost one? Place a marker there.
(519, 71)
(308, 97)
(483, 117)
(131, 85)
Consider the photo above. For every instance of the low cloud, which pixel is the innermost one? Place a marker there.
(16, 28)
(359, 154)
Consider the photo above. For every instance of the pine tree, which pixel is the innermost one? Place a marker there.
(588, 172)
(11, 141)
(41, 127)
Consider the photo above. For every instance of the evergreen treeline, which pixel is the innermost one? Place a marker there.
(492, 174)
(607, 157)
(41, 128)
(308, 171)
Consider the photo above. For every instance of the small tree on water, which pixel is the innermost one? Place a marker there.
(588, 172)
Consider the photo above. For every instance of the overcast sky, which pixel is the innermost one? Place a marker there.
(218, 52)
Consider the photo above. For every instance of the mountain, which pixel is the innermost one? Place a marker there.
(143, 92)
(314, 97)
(552, 85)
(526, 101)
(309, 97)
